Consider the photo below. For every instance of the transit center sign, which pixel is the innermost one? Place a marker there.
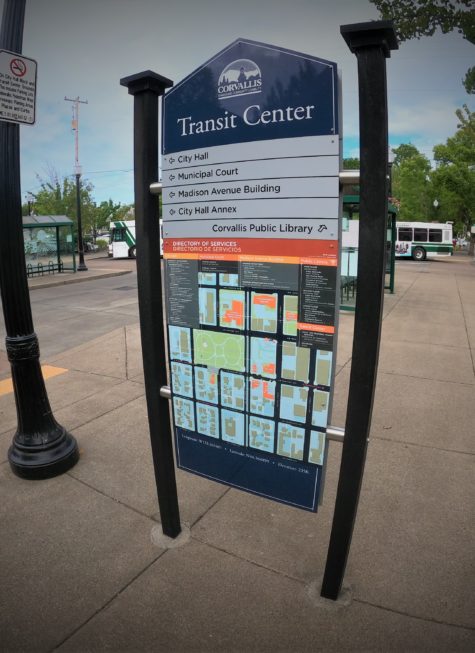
(250, 172)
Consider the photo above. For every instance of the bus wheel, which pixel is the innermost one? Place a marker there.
(419, 254)
(132, 252)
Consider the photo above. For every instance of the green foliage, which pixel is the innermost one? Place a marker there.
(469, 81)
(410, 183)
(417, 18)
(454, 177)
(404, 152)
(352, 163)
(58, 197)
(106, 212)
(102, 244)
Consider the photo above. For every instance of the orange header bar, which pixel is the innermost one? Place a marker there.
(273, 250)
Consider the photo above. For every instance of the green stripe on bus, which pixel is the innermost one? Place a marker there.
(129, 239)
(433, 247)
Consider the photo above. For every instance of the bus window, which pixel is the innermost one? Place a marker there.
(405, 234)
(420, 235)
(118, 235)
(435, 235)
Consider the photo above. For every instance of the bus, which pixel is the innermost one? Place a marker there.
(122, 242)
(122, 239)
(421, 240)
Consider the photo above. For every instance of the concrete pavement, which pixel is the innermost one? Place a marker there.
(98, 267)
(83, 570)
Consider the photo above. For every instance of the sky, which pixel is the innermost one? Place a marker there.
(84, 47)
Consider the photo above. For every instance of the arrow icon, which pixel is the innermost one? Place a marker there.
(171, 160)
(171, 177)
(172, 212)
(321, 228)
(172, 194)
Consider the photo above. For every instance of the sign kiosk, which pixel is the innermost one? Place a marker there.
(251, 254)
(250, 170)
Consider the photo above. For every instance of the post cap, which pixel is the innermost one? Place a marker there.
(146, 81)
(374, 33)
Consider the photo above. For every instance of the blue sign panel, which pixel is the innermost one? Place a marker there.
(250, 173)
(249, 92)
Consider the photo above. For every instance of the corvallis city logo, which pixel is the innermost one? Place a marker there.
(240, 77)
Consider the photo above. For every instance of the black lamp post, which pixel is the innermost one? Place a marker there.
(41, 447)
(82, 266)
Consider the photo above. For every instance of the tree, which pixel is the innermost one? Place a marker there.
(105, 213)
(454, 176)
(411, 188)
(58, 197)
(352, 163)
(417, 18)
(404, 152)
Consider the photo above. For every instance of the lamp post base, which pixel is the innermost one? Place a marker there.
(44, 461)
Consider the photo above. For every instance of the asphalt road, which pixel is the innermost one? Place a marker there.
(72, 314)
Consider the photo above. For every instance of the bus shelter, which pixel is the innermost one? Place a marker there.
(349, 251)
(49, 244)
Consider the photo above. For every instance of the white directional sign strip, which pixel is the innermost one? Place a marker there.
(271, 228)
(266, 208)
(310, 166)
(17, 88)
(253, 151)
(254, 189)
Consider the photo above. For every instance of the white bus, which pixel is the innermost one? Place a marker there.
(421, 240)
(122, 239)
(122, 242)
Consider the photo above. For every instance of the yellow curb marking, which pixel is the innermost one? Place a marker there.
(6, 386)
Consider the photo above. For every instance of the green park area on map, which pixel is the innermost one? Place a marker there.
(219, 350)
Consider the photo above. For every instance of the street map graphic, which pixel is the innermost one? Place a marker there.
(254, 387)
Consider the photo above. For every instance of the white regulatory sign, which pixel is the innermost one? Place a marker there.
(17, 88)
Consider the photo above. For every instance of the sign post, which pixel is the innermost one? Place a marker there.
(146, 88)
(372, 43)
(251, 160)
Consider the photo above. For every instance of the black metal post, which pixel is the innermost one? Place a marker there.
(82, 266)
(371, 42)
(146, 87)
(41, 447)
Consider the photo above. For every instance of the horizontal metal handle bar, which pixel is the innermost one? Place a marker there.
(165, 392)
(156, 188)
(334, 433)
(347, 178)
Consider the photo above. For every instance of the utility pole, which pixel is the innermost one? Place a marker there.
(41, 447)
(77, 171)
(30, 198)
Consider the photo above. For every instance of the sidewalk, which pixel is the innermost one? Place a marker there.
(98, 267)
(84, 568)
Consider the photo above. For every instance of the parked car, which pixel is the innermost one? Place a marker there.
(89, 245)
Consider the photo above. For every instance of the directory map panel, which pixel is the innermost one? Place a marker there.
(251, 158)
